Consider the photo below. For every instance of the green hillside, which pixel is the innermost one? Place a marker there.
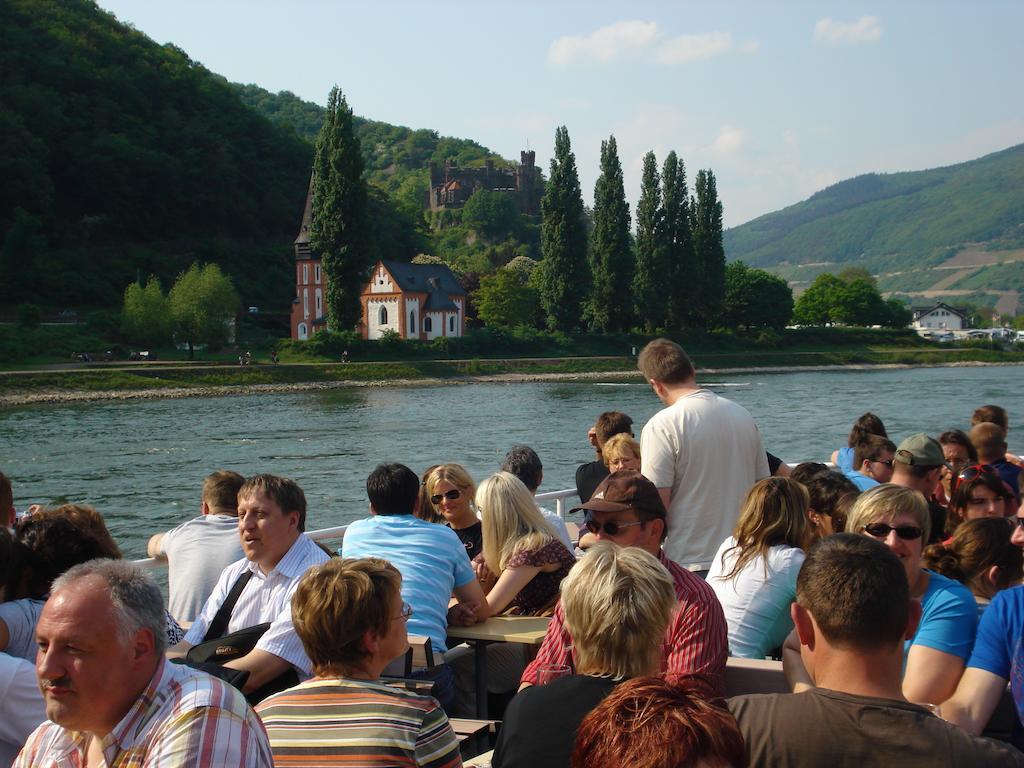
(957, 227)
(121, 157)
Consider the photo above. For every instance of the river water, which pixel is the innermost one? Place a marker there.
(141, 463)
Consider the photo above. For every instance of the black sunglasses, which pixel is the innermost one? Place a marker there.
(451, 495)
(1018, 522)
(610, 529)
(905, 532)
(887, 462)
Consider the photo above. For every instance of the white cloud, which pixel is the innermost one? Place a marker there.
(685, 48)
(831, 32)
(729, 140)
(604, 44)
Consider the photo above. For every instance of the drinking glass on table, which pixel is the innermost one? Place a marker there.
(548, 672)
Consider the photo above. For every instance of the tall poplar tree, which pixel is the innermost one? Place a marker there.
(650, 299)
(706, 212)
(340, 228)
(610, 308)
(563, 275)
(681, 271)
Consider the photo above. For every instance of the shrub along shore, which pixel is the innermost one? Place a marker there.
(112, 381)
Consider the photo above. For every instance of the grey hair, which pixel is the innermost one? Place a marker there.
(133, 593)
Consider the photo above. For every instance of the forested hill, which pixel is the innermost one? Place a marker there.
(895, 224)
(110, 143)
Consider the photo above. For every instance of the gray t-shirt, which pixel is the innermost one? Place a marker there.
(829, 728)
(197, 552)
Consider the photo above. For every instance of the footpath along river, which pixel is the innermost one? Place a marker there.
(141, 463)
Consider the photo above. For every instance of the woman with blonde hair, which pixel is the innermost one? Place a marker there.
(525, 560)
(937, 653)
(450, 491)
(617, 603)
(621, 451)
(754, 572)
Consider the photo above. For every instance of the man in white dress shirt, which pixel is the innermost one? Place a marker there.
(271, 521)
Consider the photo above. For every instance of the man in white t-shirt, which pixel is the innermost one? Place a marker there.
(703, 453)
(198, 550)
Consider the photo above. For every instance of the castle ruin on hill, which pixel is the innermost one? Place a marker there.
(452, 186)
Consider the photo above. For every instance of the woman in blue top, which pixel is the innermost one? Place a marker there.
(867, 424)
(939, 649)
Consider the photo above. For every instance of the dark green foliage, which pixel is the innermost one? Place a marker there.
(611, 259)
(28, 316)
(563, 276)
(706, 215)
(681, 278)
(755, 298)
(340, 232)
(492, 213)
(505, 300)
(831, 300)
(894, 222)
(650, 298)
(108, 141)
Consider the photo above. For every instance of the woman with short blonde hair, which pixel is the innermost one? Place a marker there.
(450, 491)
(754, 571)
(618, 602)
(936, 655)
(621, 451)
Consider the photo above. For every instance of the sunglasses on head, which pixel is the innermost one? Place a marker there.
(609, 529)
(974, 471)
(905, 532)
(451, 495)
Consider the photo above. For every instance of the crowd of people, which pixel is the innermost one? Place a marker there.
(886, 580)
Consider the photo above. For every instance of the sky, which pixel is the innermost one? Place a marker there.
(779, 99)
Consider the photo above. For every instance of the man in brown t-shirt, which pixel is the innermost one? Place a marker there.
(852, 613)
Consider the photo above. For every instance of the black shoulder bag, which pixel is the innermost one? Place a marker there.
(218, 648)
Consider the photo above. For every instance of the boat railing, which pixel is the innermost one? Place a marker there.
(338, 531)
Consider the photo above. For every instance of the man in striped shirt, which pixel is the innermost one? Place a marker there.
(113, 699)
(271, 521)
(627, 509)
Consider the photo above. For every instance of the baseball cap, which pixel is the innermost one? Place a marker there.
(622, 490)
(920, 450)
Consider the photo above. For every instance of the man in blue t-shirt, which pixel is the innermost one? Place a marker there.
(431, 559)
(996, 659)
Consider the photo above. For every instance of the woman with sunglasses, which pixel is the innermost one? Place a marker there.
(450, 491)
(754, 572)
(936, 654)
(959, 452)
(980, 556)
(979, 492)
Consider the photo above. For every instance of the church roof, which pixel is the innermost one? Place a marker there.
(436, 280)
(307, 217)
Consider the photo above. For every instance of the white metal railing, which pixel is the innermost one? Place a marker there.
(338, 531)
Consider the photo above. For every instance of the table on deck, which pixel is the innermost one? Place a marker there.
(526, 630)
(480, 761)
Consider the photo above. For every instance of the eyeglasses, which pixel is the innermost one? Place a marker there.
(405, 614)
(882, 530)
(887, 462)
(974, 471)
(609, 529)
(451, 495)
(1017, 522)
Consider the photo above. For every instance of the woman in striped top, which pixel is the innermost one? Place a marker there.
(351, 619)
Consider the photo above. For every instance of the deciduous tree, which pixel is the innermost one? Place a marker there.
(611, 260)
(202, 303)
(340, 229)
(504, 300)
(563, 274)
(755, 298)
(144, 316)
